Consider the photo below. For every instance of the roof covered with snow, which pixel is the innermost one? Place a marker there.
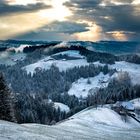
(127, 105)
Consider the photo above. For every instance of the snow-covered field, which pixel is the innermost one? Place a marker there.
(89, 124)
(122, 66)
(10, 59)
(46, 63)
(62, 107)
(132, 69)
(81, 87)
(61, 64)
(71, 53)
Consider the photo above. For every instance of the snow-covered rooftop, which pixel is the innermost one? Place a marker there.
(127, 105)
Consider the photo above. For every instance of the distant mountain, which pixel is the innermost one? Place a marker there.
(113, 47)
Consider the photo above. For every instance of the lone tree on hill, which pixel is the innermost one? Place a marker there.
(6, 102)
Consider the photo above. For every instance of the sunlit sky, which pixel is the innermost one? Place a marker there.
(87, 20)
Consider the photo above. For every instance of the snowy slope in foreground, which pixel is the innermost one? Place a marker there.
(90, 124)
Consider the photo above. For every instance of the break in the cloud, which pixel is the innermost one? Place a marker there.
(119, 19)
(70, 19)
(26, 20)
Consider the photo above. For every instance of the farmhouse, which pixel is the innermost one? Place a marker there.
(123, 107)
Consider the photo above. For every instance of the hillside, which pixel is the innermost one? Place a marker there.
(95, 124)
(56, 86)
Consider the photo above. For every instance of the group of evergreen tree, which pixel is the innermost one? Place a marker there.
(7, 111)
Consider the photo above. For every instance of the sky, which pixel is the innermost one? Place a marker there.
(55, 20)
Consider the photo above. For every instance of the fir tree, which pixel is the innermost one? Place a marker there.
(6, 102)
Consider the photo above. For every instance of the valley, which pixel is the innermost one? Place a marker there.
(68, 91)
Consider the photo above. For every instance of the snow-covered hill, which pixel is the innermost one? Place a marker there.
(122, 66)
(70, 53)
(81, 87)
(62, 107)
(62, 64)
(132, 69)
(89, 124)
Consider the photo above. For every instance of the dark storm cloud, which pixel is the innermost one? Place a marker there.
(5, 8)
(111, 17)
(121, 17)
(55, 31)
(83, 3)
(43, 35)
(65, 27)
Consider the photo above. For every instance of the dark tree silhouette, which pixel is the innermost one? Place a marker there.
(6, 102)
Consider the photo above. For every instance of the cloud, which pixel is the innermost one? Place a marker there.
(6, 9)
(20, 23)
(85, 20)
(46, 36)
(55, 31)
(116, 2)
(110, 15)
(82, 3)
(121, 17)
(66, 27)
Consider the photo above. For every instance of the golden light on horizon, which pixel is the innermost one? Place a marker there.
(22, 17)
(118, 35)
(94, 33)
